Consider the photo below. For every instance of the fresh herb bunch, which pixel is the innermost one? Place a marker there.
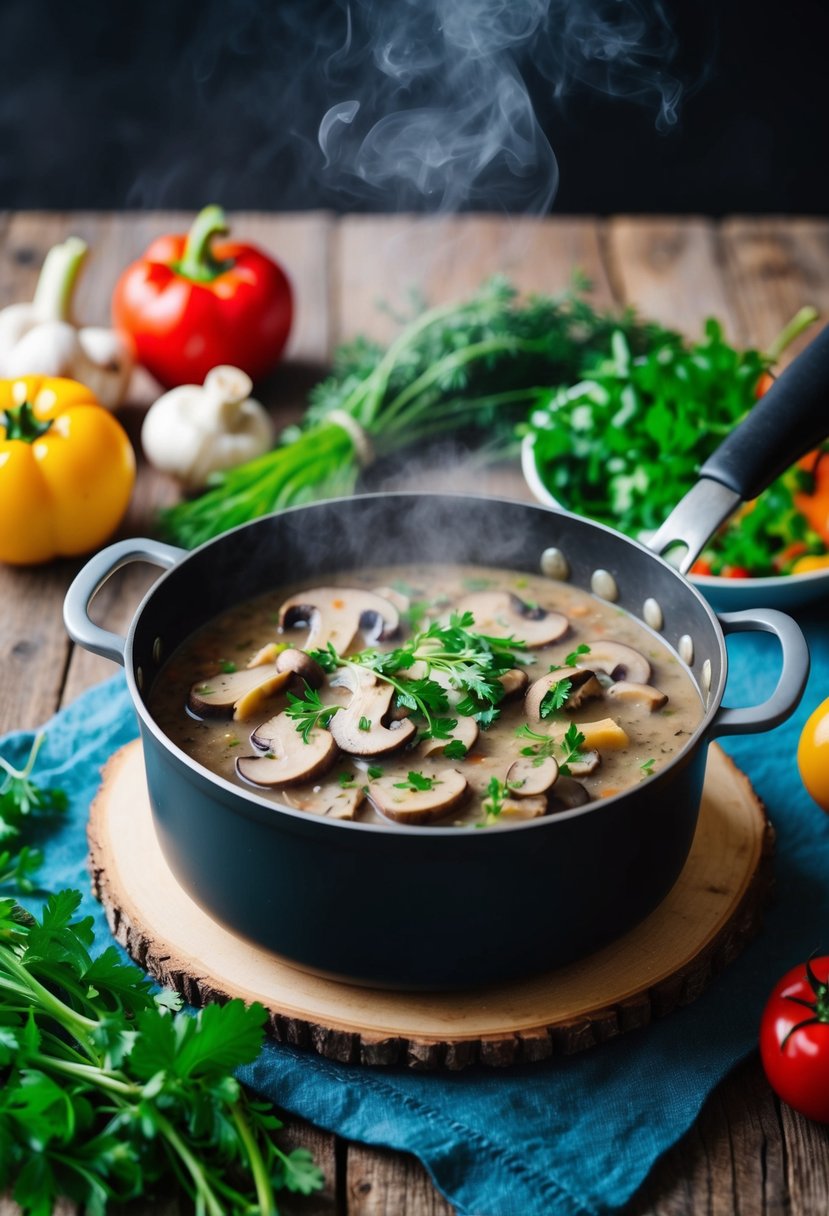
(108, 1094)
(22, 801)
(470, 662)
(624, 442)
(472, 367)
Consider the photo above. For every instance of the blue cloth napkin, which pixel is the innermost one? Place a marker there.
(573, 1136)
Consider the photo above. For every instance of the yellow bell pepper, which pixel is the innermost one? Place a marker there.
(67, 470)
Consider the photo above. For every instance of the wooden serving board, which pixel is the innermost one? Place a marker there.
(668, 960)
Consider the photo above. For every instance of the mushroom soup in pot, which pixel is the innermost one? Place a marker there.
(448, 695)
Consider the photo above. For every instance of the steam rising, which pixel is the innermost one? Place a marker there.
(436, 113)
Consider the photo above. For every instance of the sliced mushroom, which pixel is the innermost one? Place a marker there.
(338, 796)
(502, 614)
(617, 660)
(240, 692)
(568, 794)
(288, 758)
(527, 777)
(514, 682)
(524, 808)
(266, 654)
(583, 686)
(466, 731)
(338, 614)
(641, 694)
(301, 666)
(586, 764)
(359, 728)
(398, 801)
(400, 601)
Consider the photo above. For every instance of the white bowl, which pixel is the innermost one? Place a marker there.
(724, 594)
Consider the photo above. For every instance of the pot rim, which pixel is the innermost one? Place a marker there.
(248, 798)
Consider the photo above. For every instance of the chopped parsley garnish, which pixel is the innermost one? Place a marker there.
(374, 771)
(455, 750)
(227, 666)
(417, 783)
(647, 767)
(364, 724)
(544, 746)
(493, 803)
(309, 712)
(556, 698)
(572, 659)
(471, 664)
(347, 781)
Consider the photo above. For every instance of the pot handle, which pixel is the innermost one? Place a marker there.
(793, 674)
(89, 580)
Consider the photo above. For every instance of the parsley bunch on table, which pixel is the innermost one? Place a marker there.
(108, 1094)
(23, 803)
(471, 368)
(625, 441)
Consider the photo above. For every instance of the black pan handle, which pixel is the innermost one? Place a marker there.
(787, 421)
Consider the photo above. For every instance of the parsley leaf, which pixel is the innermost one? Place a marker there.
(571, 660)
(555, 698)
(309, 712)
(493, 804)
(455, 750)
(417, 782)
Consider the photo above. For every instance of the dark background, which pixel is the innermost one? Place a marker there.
(174, 104)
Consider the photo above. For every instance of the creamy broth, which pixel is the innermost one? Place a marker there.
(630, 736)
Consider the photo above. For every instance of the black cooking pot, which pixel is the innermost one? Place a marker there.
(433, 907)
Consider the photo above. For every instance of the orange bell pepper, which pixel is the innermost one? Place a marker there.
(67, 470)
(815, 505)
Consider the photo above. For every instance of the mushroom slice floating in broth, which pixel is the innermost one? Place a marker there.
(287, 758)
(335, 615)
(640, 694)
(359, 728)
(568, 794)
(618, 661)
(526, 777)
(583, 686)
(403, 802)
(503, 615)
(514, 682)
(242, 692)
(465, 731)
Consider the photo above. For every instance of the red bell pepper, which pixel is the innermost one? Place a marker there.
(190, 305)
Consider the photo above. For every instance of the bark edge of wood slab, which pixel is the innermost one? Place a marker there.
(713, 911)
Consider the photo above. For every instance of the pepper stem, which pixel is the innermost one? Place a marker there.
(21, 422)
(197, 261)
(53, 294)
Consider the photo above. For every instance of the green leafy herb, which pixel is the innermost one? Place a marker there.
(470, 662)
(108, 1095)
(364, 724)
(543, 746)
(556, 698)
(647, 767)
(472, 367)
(22, 802)
(417, 782)
(455, 750)
(493, 804)
(347, 781)
(309, 712)
(573, 657)
(227, 666)
(626, 438)
(571, 746)
(374, 771)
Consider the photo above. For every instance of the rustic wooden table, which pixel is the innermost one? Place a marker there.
(747, 1153)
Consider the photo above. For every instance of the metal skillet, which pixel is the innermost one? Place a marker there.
(441, 907)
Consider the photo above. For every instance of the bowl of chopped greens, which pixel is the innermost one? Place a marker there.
(627, 441)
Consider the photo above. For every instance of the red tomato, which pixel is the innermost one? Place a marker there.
(735, 572)
(794, 1039)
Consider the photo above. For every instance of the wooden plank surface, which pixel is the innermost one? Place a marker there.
(746, 1154)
